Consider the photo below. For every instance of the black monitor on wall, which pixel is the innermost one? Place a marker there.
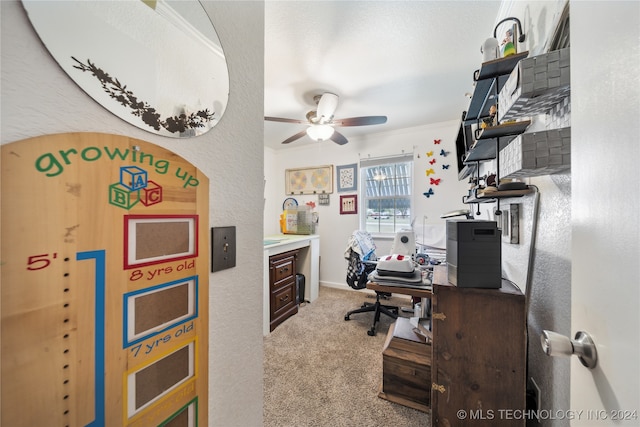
(464, 141)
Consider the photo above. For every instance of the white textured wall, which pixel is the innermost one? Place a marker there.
(38, 98)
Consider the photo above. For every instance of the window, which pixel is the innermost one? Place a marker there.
(386, 194)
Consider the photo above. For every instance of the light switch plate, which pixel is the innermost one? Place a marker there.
(223, 248)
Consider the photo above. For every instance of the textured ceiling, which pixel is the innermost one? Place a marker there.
(412, 61)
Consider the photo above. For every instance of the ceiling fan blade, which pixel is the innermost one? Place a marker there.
(338, 138)
(327, 107)
(361, 121)
(294, 137)
(280, 119)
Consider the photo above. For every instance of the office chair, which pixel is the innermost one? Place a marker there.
(361, 255)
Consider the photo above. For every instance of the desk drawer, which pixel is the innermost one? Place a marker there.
(283, 270)
(282, 299)
(283, 305)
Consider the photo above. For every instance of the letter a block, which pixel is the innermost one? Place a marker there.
(133, 178)
(122, 197)
(151, 194)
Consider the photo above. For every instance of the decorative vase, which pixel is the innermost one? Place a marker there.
(509, 49)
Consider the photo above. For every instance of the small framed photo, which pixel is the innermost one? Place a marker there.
(348, 204)
(154, 239)
(347, 177)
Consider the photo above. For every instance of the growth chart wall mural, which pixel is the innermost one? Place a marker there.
(104, 284)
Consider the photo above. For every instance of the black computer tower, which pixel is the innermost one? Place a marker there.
(300, 288)
(474, 254)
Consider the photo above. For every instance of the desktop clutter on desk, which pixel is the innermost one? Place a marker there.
(400, 268)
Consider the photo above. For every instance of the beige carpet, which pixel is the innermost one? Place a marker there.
(320, 370)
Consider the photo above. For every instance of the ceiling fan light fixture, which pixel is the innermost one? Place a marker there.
(321, 122)
(320, 132)
(327, 105)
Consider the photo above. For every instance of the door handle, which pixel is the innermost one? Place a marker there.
(555, 344)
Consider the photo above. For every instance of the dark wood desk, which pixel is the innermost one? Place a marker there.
(390, 311)
(405, 290)
(423, 294)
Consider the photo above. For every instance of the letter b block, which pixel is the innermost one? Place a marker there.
(122, 197)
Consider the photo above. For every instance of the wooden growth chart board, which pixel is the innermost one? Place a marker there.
(104, 284)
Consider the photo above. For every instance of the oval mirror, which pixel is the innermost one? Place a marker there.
(157, 64)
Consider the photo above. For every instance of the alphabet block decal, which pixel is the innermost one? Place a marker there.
(133, 178)
(122, 197)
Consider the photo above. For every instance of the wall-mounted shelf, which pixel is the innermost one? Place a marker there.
(467, 171)
(493, 195)
(491, 140)
(488, 81)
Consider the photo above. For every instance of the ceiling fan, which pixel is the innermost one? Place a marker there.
(322, 124)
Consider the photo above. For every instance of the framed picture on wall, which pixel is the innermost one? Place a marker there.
(316, 180)
(347, 177)
(348, 204)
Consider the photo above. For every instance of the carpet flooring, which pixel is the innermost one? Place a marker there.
(320, 370)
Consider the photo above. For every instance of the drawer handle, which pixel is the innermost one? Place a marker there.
(284, 270)
(284, 298)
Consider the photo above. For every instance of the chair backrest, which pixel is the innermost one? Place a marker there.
(359, 280)
(361, 251)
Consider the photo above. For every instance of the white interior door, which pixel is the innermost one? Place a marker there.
(605, 85)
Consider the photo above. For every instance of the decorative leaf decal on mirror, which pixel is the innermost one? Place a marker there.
(148, 114)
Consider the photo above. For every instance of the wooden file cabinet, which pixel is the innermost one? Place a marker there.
(282, 287)
(478, 357)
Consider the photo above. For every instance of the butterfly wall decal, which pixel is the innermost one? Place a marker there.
(432, 161)
(436, 141)
(445, 166)
(435, 181)
(444, 153)
(429, 153)
(429, 193)
(429, 171)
